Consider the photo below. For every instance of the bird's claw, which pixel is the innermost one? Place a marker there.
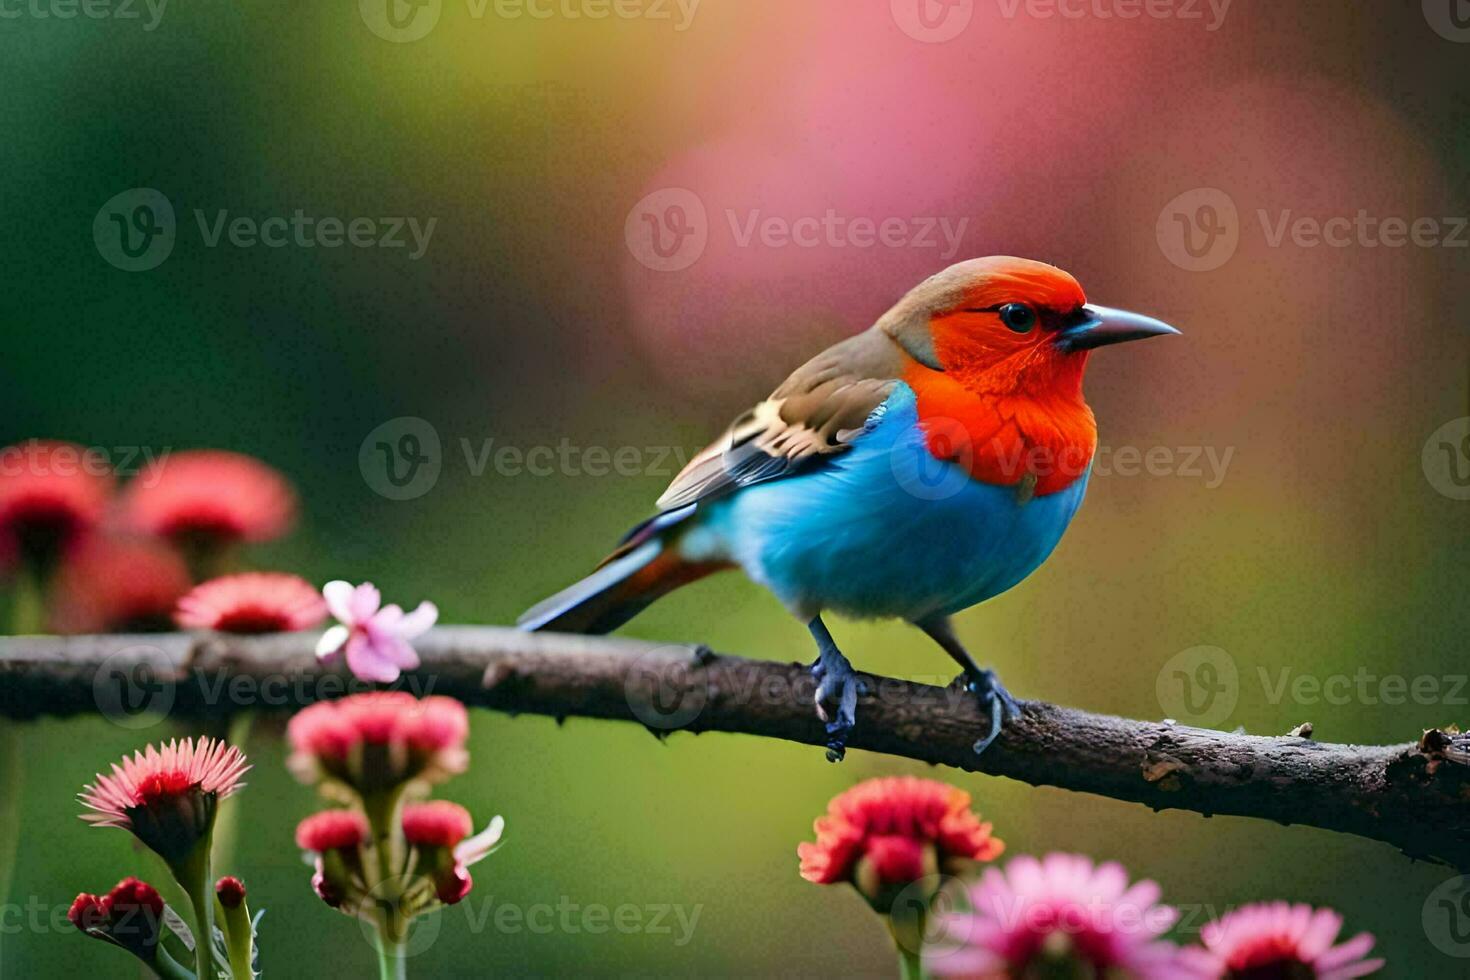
(995, 699)
(837, 684)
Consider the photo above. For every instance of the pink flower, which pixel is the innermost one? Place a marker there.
(437, 830)
(167, 797)
(1063, 915)
(376, 741)
(376, 639)
(1268, 940)
(438, 823)
(253, 602)
(50, 495)
(118, 585)
(332, 830)
(210, 497)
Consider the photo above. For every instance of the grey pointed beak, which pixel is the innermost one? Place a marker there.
(1102, 325)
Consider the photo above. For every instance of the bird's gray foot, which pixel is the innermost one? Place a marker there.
(994, 698)
(838, 688)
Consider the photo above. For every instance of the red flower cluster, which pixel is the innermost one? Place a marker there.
(903, 827)
(379, 740)
(116, 565)
(381, 859)
(130, 915)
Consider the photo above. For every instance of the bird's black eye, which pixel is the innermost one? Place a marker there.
(1018, 316)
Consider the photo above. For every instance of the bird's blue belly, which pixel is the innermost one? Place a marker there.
(884, 529)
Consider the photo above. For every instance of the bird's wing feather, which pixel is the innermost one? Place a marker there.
(815, 413)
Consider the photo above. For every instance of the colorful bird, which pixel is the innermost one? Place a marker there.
(911, 471)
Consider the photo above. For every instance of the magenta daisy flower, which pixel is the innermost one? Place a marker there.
(253, 602)
(1281, 941)
(167, 797)
(1061, 915)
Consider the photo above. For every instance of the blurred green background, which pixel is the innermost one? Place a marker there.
(1324, 547)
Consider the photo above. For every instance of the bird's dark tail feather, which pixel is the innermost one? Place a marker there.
(644, 568)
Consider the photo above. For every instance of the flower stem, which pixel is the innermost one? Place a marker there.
(909, 965)
(28, 610)
(192, 874)
(391, 964)
(12, 795)
(906, 926)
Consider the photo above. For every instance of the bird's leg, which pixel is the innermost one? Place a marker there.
(837, 684)
(983, 683)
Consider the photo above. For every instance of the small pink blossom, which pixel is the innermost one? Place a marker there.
(1062, 915)
(376, 639)
(1277, 939)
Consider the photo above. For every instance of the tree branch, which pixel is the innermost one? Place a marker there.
(1412, 796)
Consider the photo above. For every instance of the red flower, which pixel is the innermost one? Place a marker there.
(230, 891)
(50, 494)
(254, 602)
(131, 915)
(86, 912)
(332, 830)
(437, 830)
(895, 830)
(167, 797)
(118, 585)
(438, 823)
(211, 496)
(379, 740)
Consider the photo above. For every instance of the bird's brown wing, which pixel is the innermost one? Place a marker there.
(815, 413)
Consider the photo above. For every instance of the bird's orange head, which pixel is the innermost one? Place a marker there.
(999, 346)
(1006, 326)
